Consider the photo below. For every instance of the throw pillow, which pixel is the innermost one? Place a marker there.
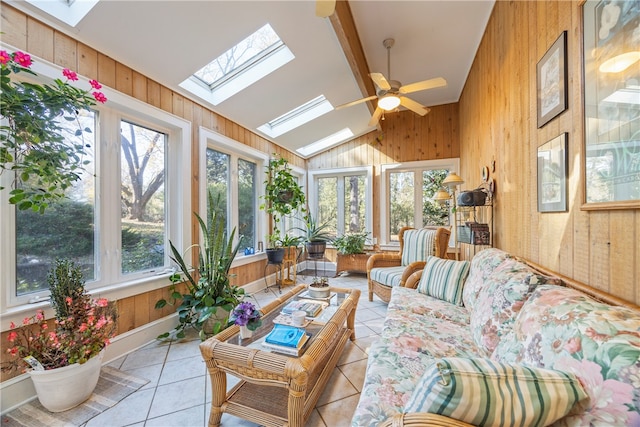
(417, 245)
(487, 393)
(444, 279)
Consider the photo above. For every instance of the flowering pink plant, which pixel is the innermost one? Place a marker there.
(73, 340)
(33, 143)
(83, 326)
(246, 314)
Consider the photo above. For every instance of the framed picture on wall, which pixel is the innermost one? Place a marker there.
(611, 168)
(552, 175)
(552, 81)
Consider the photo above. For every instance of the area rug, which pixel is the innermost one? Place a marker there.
(113, 386)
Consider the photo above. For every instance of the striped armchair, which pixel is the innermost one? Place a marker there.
(386, 270)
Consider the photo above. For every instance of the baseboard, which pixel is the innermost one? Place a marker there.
(19, 390)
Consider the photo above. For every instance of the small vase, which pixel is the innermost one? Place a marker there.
(64, 388)
(245, 332)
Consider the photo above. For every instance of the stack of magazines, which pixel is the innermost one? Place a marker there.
(285, 339)
(312, 308)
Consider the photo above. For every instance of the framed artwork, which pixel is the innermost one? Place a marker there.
(611, 40)
(552, 81)
(552, 175)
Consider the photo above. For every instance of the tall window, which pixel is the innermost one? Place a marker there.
(407, 196)
(142, 170)
(117, 219)
(232, 170)
(66, 229)
(342, 198)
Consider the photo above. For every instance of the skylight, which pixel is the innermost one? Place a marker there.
(325, 143)
(68, 11)
(239, 67)
(297, 117)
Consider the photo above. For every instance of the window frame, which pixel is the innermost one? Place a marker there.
(111, 283)
(342, 173)
(452, 164)
(216, 141)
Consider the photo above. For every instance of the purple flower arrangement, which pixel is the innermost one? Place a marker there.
(246, 314)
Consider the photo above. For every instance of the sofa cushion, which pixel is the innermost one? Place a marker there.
(388, 276)
(444, 279)
(482, 265)
(487, 393)
(564, 329)
(413, 334)
(418, 244)
(499, 301)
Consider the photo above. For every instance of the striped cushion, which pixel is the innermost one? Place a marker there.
(418, 245)
(389, 276)
(444, 279)
(487, 393)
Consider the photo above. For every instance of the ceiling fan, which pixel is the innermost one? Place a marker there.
(391, 92)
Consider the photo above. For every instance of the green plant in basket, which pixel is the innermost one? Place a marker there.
(351, 243)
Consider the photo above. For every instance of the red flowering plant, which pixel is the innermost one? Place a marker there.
(82, 327)
(33, 143)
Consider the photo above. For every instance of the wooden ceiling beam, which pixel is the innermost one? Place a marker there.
(345, 29)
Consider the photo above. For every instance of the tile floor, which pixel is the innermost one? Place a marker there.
(179, 391)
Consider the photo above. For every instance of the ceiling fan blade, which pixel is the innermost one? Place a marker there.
(414, 106)
(358, 101)
(424, 85)
(325, 8)
(380, 81)
(376, 116)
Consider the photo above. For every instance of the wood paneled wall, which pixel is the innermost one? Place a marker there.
(30, 35)
(405, 137)
(498, 122)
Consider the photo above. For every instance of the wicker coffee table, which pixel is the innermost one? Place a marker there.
(275, 389)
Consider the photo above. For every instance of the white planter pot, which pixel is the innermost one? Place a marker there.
(245, 332)
(64, 388)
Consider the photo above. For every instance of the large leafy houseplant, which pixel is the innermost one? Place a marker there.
(316, 236)
(209, 292)
(32, 142)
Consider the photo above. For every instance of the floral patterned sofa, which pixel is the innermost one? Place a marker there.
(514, 334)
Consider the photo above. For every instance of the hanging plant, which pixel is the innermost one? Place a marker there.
(32, 143)
(283, 194)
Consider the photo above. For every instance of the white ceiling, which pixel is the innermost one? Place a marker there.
(169, 40)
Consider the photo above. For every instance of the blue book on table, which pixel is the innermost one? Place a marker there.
(287, 336)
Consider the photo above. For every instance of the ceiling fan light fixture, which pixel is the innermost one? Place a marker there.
(389, 102)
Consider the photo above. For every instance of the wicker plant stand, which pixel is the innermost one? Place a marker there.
(275, 389)
(352, 262)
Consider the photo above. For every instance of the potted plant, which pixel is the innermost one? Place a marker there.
(351, 243)
(319, 287)
(209, 297)
(32, 143)
(65, 359)
(283, 196)
(316, 237)
(351, 255)
(248, 317)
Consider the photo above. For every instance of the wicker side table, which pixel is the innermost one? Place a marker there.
(352, 262)
(275, 389)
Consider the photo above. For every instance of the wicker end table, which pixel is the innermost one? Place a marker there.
(275, 389)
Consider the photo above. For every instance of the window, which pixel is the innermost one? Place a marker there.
(142, 169)
(342, 198)
(233, 172)
(255, 57)
(407, 193)
(117, 220)
(297, 117)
